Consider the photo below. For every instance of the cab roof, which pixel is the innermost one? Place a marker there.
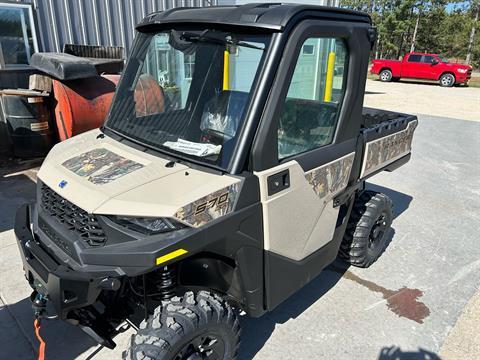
(268, 16)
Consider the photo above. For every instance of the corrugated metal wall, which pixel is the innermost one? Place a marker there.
(95, 22)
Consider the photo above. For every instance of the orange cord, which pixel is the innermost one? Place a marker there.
(41, 349)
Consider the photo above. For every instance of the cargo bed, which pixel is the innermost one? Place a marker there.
(387, 140)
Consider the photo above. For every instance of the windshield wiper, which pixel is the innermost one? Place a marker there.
(227, 40)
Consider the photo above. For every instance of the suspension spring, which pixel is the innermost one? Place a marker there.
(166, 283)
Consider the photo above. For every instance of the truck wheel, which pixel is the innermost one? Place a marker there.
(386, 75)
(201, 326)
(447, 80)
(367, 229)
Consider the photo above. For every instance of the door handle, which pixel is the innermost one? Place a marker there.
(278, 182)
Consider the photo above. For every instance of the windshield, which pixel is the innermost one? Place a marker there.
(185, 92)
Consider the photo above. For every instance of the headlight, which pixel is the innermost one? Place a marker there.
(148, 226)
(462, 71)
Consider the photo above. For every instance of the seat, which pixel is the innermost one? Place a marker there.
(222, 115)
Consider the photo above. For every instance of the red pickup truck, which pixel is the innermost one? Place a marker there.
(422, 66)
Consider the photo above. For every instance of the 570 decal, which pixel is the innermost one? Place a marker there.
(210, 204)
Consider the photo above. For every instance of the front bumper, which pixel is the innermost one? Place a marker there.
(463, 77)
(64, 288)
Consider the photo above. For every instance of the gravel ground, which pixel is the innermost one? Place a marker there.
(424, 98)
(463, 341)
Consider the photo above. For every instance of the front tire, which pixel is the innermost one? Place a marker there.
(386, 75)
(367, 230)
(201, 326)
(447, 80)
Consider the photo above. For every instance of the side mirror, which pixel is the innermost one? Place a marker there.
(435, 62)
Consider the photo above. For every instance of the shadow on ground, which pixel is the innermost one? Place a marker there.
(15, 191)
(374, 93)
(255, 332)
(64, 341)
(421, 82)
(395, 353)
(401, 201)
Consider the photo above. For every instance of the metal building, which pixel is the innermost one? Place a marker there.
(95, 22)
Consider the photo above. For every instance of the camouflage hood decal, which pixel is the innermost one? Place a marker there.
(101, 166)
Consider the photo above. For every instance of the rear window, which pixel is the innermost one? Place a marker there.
(414, 58)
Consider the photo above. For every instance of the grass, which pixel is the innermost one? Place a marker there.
(474, 82)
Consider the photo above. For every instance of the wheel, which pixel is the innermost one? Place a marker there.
(367, 229)
(447, 80)
(201, 326)
(386, 75)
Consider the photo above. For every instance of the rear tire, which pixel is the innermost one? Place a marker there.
(386, 75)
(201, 326)
(447, 80)
(367, 230)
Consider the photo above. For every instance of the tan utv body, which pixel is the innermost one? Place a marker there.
(236, 192)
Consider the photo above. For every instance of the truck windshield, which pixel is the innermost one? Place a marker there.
(185, 92)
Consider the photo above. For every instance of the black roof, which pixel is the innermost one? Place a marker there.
(272, 16)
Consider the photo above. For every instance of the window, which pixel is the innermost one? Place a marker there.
(428, 59)
(414, 58)
(241, 60)
(308, 49)
(314, 98)
(17, 35)
(165, 77)
(189, 63)
(186, 93)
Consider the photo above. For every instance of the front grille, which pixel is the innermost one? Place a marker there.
(72, 217)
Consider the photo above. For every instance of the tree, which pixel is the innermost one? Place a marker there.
(476, 10)
(438, 26)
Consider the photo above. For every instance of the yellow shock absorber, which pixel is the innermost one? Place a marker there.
(226, 70)
(327, 97)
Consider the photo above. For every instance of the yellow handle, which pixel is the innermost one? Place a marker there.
(327, 97)
(226, 70)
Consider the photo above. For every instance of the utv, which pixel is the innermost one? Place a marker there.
(229, 172)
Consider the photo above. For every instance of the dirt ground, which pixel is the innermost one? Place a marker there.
(424, 98)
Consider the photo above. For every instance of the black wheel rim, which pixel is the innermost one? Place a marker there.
(205, 346)
(378, 232)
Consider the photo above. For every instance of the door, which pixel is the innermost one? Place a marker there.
(310, 143)
(412, 67)
(297, 194)
(428, 67)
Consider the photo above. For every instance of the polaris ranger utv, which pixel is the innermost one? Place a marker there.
(229, 172)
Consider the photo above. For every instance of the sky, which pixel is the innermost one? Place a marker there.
(452, 6)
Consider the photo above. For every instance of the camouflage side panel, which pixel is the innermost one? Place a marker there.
(210, 207)
(383, 151)
(330, 179)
